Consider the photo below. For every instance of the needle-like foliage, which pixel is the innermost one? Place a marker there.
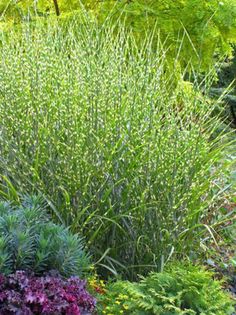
(29, 241)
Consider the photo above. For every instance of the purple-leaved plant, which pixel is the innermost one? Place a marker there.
(26, 294)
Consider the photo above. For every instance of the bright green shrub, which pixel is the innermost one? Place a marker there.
(110, 140)
(29, 241)
(196, 30)
(181, 290)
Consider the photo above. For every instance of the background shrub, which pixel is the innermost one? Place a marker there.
(118, 146)
(198, 31)
(180, 290)
(29, 241)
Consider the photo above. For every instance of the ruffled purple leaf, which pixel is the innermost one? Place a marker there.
(26, 294)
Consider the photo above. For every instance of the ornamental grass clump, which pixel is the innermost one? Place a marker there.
(30, 241)
(113, 139)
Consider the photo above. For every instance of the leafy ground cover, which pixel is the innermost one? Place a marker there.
(27, 294)
(180, 290)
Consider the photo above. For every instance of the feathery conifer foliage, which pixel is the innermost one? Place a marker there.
(181, 290)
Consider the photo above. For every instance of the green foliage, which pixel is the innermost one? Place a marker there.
(29, 241)
(197, 30)
(109, 139)
(181, 290)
